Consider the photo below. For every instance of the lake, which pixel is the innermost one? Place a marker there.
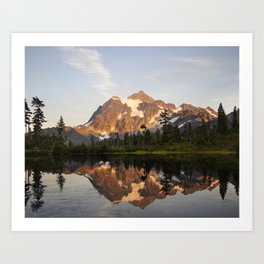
(133, 186)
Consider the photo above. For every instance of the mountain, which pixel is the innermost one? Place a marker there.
(70, 134)
(127, 115)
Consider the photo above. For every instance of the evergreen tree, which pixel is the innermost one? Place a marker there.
(157, 137)
(176, 134)
(126, 139)
(147, 137)
(202, 133)
(166, 125)
(223, 182)
(190, 131)
(60, 181)
(27, 116)
(60, 126)
(134, 140)
(140, 138)
(38, 116)
(164, 118)
(222, 120)
(235, 119)
(38, 190)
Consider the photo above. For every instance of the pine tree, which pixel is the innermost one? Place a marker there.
(147, 137)
(223, 183)
(222, 120)
(203, 133)
(60, 126)
(27, 116)
(126, 139)
(164, 118)
(166, 125)
(235, 119)
(189, 131)
(157, 137)
(38, 116)
(176, 134)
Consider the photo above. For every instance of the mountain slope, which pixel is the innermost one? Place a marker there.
(127, 115)
(70, 134)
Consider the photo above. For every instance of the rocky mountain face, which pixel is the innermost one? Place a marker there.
(127, 115)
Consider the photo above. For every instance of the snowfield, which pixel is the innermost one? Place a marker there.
(133, 104)
(174, 119)
(211, 113)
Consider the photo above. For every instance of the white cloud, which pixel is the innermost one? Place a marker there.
(166, 72)
(201, 62)
(89, 62)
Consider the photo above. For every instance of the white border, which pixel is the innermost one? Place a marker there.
(243, 40)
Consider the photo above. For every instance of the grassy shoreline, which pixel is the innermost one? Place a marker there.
(30, 153)
(165, 152)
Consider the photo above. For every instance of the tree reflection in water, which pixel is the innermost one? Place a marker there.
(38, 190)
(60, 181)
(142, 178)
(167, 183)
(27, 186)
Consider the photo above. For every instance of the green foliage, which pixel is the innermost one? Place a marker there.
(59, 149)
(38, 116)
(167, 128)
(27, 116)
(60, 126)
(235, 119)
(206, 137)
(222, 120)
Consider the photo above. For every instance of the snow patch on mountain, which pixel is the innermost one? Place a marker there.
(210, 112)
(103, 136)
(133, 104)
(121, 115)
(155, 117)
(178, 109)
(174, 119)
(115, 98)
(88, 124)
(181, 125)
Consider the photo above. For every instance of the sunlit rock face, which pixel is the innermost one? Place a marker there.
(127, 115)
(139, 187)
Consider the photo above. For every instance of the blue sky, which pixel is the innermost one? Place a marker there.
(74, 81)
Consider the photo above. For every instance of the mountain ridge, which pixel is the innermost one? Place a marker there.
(118, 115)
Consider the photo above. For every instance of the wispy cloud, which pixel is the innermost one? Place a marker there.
(156, 74)
(230, 100)
(180, 67)
(89, 62)
(200, 62)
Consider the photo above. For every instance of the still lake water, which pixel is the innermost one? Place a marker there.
(133, 186)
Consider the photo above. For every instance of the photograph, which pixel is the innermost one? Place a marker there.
(131, 131)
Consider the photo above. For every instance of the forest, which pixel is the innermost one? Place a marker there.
(220, 137)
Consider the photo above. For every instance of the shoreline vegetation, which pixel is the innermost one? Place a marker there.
(32, 152)
(210, 138)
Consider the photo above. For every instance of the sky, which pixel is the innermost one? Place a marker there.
(74, 81)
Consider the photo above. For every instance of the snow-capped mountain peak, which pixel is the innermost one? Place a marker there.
(127, 115)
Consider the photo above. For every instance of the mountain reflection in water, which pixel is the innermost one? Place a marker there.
(137, 180)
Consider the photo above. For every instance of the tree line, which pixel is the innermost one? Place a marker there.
(223, 134)
(35, 140)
